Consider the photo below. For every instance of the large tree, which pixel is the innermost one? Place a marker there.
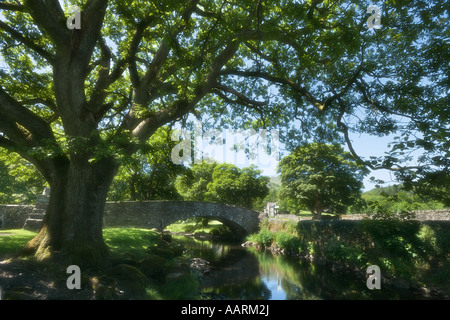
(321, 177)
(75, 102)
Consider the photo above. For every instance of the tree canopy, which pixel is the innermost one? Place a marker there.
(149, 174)
(134, 65)
(321, 177)
(223, 183)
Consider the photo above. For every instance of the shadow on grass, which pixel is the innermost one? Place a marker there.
(142, 266)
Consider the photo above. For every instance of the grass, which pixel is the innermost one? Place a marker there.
(119, 240)
(192, 226)
(129, 251)
(11, 241)
(129, 241)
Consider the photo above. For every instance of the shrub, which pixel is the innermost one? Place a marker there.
(287, 242)
(265, 238)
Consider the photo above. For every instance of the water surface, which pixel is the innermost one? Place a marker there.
(242, 273)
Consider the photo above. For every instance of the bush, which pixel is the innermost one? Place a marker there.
(287, 242)
(265, 238)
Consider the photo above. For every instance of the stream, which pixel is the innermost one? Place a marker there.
(239, 273)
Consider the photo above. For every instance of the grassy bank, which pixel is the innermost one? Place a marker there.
(142, 266)
(417, 252)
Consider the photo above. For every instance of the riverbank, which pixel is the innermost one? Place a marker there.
(313, 261)
(412, 255)
(143, 265)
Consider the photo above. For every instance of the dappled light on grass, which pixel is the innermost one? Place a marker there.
(120, 240)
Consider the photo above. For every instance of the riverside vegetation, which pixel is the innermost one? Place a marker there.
(145, 264)
(411, 254)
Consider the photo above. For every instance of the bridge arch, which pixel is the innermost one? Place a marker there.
(160, 214)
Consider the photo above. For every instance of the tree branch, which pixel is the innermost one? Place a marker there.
(142, 92)
(241, 98)
(50, 18)
(362, 86)
(17, 113)
(50, 104)
(263, 75)
(12, 7)
(83, 41)
(345, 131)
(26, 41)
(148, 126)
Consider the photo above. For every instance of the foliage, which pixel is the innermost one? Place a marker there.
(287, 241)
(393, 202)
(223, 183)
(20, 182)
(321, 177)
(409, 249)
(150, 173)
(265, 238)
(226, 59)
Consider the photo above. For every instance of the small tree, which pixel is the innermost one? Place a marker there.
(321, 177)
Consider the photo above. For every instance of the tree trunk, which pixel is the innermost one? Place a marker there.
(133, 187)
(72, 230)
(318, 209)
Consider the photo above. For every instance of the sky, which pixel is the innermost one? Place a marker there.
(365, 145)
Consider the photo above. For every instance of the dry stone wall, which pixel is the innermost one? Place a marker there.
(13, 216)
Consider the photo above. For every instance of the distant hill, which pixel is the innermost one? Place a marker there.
(275, 182)
(390, 190)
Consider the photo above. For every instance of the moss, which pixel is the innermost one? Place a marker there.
(154, 267)
(130, 280)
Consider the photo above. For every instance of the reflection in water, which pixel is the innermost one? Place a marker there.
(243, 274)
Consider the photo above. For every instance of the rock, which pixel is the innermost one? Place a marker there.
(401, 284)
(154, 267)
(251, 244)
(130, 280)
(200, 265)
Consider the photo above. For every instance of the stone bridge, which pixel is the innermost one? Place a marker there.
(160, 214)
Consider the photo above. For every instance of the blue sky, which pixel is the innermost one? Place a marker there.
(364, 145)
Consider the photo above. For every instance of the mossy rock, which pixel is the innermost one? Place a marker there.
(127, 257)
(165, 236)
(130, 280)
(154, 267)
